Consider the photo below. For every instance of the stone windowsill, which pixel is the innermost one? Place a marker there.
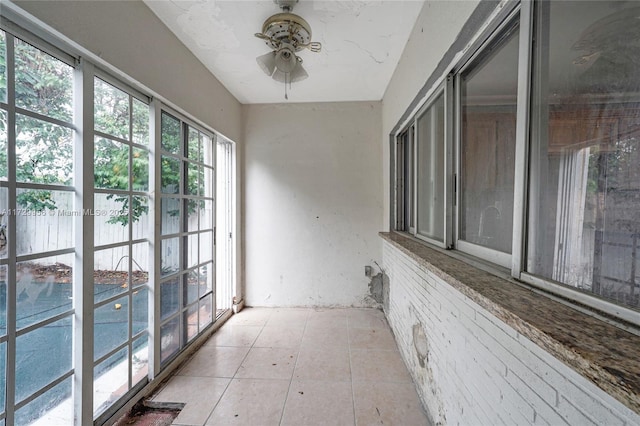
(603, 353)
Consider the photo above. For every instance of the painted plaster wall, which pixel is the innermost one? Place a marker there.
(128, 36)
(313, 202)
(435, 30)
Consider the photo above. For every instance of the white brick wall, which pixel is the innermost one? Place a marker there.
(480, 371)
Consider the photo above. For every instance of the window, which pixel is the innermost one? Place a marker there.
(488, 92)
(72, 300)
(546, 179)
(187, 222)
(121, 258)
(585, 184)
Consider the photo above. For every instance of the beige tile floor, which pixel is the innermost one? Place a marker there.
(297, 367)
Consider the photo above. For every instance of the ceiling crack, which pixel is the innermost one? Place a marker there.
(368, 52)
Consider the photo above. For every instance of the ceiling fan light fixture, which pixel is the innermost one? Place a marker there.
(267, 63)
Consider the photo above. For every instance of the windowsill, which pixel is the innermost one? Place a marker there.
(601, 352)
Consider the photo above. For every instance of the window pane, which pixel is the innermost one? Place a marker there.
(140, 264)
(140, 310)
(3, 144)
(140, 122)
(205, 278)
(192, 250)
(191, 319)
(207, 150)
(139, 216)
(44, 152)
(170, 133)
(193, 148)
(169, 297)
(111, 222)
(431, 171)
(4, 221)
(206, 312)
(170, 215)
(585, 196)
(43, 288)
(169, 339)
(50, 408)
(487, 152)
(170, 252)
(3, 375)
(140, 171)
(42, 356)
(140, 365)
(44, 220)
(111, 110)
(170, 175)
(3, 67)
(111, 164)
(110, 380)
(111, 326)
(3, 301)
(206, 246)
(43, 83)
(110, 272)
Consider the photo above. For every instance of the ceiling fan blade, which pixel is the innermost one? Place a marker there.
(267, 62)
(298, 74)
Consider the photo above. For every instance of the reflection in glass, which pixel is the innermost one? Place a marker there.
(41, 408)
(110, 380)
(42, 356)
(431, 171)
(170, 215)
(140, 359)
(170, 256)
(43, 83)
(140, 310)
(170, 297)
(585, 197)
(487, 152)
(111, 110)
(140, 264)
(111, 326)
(139, 216)
(193, 145)
(205, 278)
(43, 288)
(206, 312)
(44, 152)
(191, 320)
(169, 339)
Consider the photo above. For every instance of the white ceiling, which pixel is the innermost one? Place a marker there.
(362, 41)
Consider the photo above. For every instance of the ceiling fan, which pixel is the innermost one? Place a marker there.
(285, 33)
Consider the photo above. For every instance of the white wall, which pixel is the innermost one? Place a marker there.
(313, 202)
(479, 370)
(436, 28)
(128, 36)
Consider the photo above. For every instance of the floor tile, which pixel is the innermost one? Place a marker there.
(273, 336)
(214, 362)
(388, 403)
(325, 338)
(190, 390)
(250, 316)
(327, 321)
(288, 318)
(319, 403)
(251, 402)
(367, 318)
(368, 365)
(327, 364)
(268, 363)
(235, 335)
(371, 338)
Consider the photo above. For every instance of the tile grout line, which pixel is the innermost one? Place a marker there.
(284, 405)
(236, 372)
(353, 393)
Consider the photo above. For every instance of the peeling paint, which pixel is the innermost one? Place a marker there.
(376, 287)
(420, 344)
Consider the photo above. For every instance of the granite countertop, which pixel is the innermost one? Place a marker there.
(603, 353)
